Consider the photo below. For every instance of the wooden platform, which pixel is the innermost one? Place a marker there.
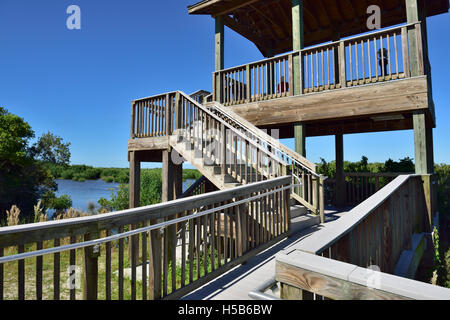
(348, 110)
(239, 281)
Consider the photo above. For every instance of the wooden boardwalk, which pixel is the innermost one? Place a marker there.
(239, 281)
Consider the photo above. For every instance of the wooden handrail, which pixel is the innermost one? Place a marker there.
(343, 281)
(208, 221)
(324, 67)
(274, 143)
(376, 231)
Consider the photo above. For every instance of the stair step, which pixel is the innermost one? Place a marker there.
(303, 222)
(298, 211)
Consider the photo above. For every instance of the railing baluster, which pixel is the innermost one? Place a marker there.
(56, 272)
(173, 240)
(191, 248)
(120, 271)
(21, 274)
(144, 264)
(165, 253)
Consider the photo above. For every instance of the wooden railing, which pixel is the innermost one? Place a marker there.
(306, 276)
(241, 150)
(358, 187)
(256, 81)
(201, 186)
(376, 231)
(96, 257)
(372, 235)
(304, 173)
(376, 57)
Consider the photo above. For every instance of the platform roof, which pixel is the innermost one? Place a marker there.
(268, 23)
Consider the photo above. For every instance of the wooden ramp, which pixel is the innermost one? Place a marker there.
(239, 281)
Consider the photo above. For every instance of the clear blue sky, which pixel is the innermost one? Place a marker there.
(78, 84)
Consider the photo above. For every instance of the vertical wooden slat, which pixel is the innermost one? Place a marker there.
(212, 242)
(357, 62)
(56, 272)
(21, 274)
(342, 65)
(376, 57)
(165, 253)
(73, 262)
(173, 241)
(389, 54)
(183, 253)
(91, 269)
(144, 265)
(383, 71)
(225, 236)
(39, 272)
(120, 271)
(108, 267)
(405, 53)
(205, 244)
(2, 252)
(191, 248)
(197, 247)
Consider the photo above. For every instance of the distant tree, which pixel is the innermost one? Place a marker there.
(22, 179)
(52, 149)
(403, 165)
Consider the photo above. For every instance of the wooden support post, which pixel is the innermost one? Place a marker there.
(321, 200)
(423, 144)
(167, 176)
(178, 112)
(298, 40)
(91, 255)
(134, 199)
(288, 292)
(249, 83)
(415, 12)
(219, 56)
(133, 120)
(135, 180)
(300, 138)
(340, 189)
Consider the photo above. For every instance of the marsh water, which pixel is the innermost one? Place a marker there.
(82, 193)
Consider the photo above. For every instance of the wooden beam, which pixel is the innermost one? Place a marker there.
(423, 144)
(260, 42)
(298, 43)
(340, 177)
(300, 138)
(403, 96)
(167, 177)
(135, 181)
(219, 43)
(343, 281)
(232, 7)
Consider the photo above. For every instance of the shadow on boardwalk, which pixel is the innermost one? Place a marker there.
(239, 281)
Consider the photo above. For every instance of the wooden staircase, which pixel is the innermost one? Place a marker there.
(225, 148)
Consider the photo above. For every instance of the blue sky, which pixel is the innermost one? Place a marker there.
(78, 84)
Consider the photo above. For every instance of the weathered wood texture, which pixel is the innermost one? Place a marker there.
(364, 60)
(398, 96)
(269, 24)
(325, 277)
(354, 188)
(201, 245)
(379, 229)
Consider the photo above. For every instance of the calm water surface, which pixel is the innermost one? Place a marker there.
(82, 193)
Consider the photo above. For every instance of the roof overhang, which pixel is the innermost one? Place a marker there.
(268, 23)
